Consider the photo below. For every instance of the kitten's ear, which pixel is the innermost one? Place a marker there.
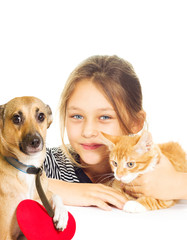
(145, 143)
(108, 140)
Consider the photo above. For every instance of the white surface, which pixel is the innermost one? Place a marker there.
(95, 224)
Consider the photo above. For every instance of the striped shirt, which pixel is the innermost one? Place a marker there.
(58, 166)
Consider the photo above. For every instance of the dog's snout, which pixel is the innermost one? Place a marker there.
(31, 143)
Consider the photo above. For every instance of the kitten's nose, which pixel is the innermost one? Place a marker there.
(119, 176)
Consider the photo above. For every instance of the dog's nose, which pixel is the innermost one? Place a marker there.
(31, 143)
(34, 141)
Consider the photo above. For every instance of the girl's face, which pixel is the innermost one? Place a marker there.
(88, 113)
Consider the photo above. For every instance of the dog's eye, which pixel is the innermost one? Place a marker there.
(41, 117)
(17, 119)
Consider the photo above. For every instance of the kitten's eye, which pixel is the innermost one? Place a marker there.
(17, 119)
(130, 164)
(114, 163)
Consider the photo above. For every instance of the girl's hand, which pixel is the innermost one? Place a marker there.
(87, 194)
(163, 182)
(83, 194)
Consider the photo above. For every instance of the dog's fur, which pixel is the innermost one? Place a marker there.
(23, 126)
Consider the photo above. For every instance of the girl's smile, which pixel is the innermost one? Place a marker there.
(91, 146)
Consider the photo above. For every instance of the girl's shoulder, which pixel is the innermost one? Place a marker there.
(56, 152)
(57, 165)
(61, 156)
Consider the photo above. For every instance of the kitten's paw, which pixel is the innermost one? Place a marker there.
(60, 218)
(134, 207)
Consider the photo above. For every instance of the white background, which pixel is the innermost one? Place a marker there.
(41, 42)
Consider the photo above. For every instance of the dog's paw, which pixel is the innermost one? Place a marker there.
(60, 218)
(134, 207)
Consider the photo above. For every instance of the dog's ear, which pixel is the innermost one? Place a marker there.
(49, 116)
(2, 108)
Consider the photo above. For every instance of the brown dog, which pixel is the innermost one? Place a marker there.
(23, 126)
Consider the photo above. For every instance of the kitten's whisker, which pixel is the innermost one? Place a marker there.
(104, 178)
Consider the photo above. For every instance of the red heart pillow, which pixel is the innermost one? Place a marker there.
(36, 224)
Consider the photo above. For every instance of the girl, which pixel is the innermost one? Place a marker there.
(102, 94)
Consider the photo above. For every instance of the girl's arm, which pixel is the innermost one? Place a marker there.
(164, 182)
(86, 194)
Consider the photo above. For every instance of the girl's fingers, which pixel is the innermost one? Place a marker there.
(112, 200)
(111, 196)
(100, 203)
(116, 193)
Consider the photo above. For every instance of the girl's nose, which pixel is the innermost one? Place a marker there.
(89, 130)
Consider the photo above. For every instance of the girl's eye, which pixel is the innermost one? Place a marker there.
(114, 163)
(17, 119)
(41, 117)
(79, 117)
(130, 164)
(105, 117)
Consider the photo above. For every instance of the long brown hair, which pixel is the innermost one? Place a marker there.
(118, 81)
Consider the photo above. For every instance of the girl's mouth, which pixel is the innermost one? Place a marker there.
(91, 146)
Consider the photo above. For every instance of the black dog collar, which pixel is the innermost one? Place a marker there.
(30, 169)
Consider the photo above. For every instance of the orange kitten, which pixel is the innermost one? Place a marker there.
(131, 156)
